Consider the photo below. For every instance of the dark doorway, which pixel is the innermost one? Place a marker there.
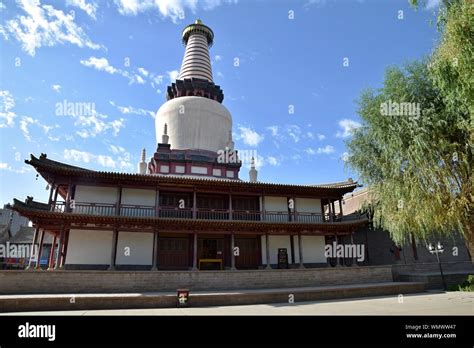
(210, 253)
(173, 253)
(249, 253)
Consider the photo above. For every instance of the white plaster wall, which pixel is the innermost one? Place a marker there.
(95, 194)
(308, 205)
(276, 242)
(194, 123)
(198, 170)
(89, 247)
(313, 249)
(138, 196)
(140, 248)
(276, 204)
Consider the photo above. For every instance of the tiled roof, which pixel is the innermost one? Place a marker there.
(46, 166)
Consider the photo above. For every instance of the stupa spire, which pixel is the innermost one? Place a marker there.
(196, 62)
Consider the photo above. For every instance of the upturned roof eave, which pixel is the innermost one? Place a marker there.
(46, 166)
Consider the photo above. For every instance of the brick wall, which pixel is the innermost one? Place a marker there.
(30, 282)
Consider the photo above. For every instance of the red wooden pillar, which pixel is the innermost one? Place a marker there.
(195, 247)
(295, 212)
(50, 200)
(119, 201)
(55, 198)
(232, 255)
(194, 204)
(40, 250)
(267, 248)
(157, 202)
(68, 197)
(65, 245)
(113, 253)
(33, 247)
(51, 253)
(300, 249)
(330, 211)
(154, 266)
(59, 253)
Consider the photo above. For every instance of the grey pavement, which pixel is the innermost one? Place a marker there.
(427, 303)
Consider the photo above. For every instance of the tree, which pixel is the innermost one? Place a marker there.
(419, 164)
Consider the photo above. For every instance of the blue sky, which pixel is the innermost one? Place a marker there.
(301, 67)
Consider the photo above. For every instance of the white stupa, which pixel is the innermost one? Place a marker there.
(194, 114)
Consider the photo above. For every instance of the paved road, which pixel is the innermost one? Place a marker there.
(430, 303)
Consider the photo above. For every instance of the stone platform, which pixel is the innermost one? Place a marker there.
(79, 282)
(67, 302)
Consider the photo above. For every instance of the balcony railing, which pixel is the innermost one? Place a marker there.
(212, 214)
(204, 214)
(176, 213)
(137, 210)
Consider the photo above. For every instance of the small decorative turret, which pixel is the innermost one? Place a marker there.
(142, 164)
(253, 172)
(165, 138)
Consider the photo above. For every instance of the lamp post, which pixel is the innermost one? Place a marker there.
(439, 248)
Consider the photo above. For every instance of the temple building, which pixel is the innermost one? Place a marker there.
(186, 208)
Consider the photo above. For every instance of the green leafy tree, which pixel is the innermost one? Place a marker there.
(419, 164)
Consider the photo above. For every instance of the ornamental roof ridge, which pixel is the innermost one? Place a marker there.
(45, 163)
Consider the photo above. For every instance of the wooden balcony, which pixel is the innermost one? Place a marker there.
(103, 209)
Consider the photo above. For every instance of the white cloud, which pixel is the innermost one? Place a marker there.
(56, 88)
(347, 127)
(321, 136)
(78, 156)
(134, 111)
(273, 161)
(94, 123)
(122, 159)
(8, 167)
(432, 4)
(116, 149)
(219, 74)
(106, 161)
(173, 9)
(101, 64)
(345, 156)
(89, 8)
(294, 132)
(173, 75)
(5, 166)
(249, 136)
(43, 25)
(6, 104)
(274, 130)
(87, 157)
(26, 121)
(328, 149)
(158, 79)
(17, 156)
(138, 79)
(217, 58)
(143, 71)
(2, 6)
